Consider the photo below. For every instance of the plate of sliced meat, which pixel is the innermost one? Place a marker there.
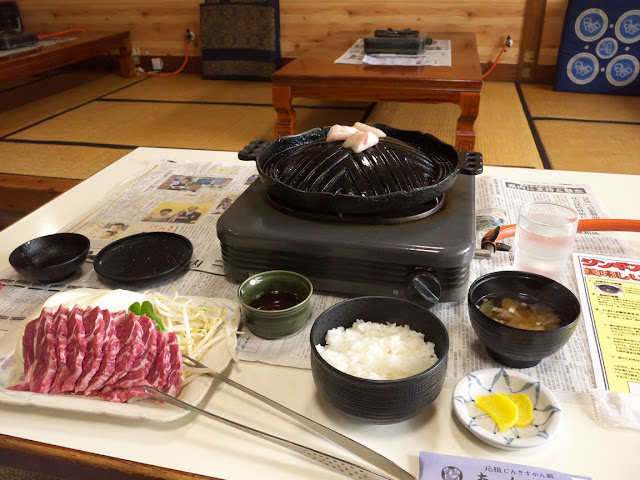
(86, 351)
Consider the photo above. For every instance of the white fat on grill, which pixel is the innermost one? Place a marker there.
(360, 141)
(363, 127)
(358, 138)
(339, 133)
(378, 351)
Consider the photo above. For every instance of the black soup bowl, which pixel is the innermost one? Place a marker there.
(379, 401)
(516, 347)
(51, 258)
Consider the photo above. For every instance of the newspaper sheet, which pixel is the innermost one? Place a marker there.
(188, 197)
(436, 54)
(610, 297)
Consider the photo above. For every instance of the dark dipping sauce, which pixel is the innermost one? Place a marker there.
(274, 300)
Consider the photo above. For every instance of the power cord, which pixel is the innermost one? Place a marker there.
(62, 33)
(507, 44)
(188, 37)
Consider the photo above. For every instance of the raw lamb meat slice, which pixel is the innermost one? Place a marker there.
(28, 339)
(122, 395)
(161, 367)
(143, 363)
(76, 349)
(45, 363)
(172, 387)
(363, 127)
(156, 378)
(62, 332)
(360, 141)
(140, 368)
(30, 342)
(129, 331)
(110, 348)
(340, 133)
(94, 330)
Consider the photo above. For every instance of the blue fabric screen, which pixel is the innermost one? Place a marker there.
(600, 47)
(240, 39)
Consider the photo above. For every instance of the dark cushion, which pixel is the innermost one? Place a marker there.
(600, 47)
(240, 39)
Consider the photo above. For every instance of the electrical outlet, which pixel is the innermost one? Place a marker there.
(135, 55)
(156, 64)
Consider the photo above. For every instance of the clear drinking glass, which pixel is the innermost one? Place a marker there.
(545, 234)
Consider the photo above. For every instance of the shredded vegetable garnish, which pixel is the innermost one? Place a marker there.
(198, 324)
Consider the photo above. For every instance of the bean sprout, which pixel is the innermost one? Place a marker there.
(198, 324)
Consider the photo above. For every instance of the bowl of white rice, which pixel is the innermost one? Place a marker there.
(379, 359)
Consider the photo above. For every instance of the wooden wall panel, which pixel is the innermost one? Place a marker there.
(552, 31)
(157, 27)
(304, 23)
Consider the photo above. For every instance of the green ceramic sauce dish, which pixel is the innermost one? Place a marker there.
(275, 304)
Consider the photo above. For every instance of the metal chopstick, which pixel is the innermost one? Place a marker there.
(374, 458)
(340, 465)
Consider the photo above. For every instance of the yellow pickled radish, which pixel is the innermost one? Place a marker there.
(525, 408)
(503, 411)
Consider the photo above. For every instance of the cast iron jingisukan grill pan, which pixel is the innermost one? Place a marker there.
(404, 170)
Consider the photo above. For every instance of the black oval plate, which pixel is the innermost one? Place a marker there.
(143, 257)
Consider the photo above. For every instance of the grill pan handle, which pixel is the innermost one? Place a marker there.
(470, 163)
(252, 151)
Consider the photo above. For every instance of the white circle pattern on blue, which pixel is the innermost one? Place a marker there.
(591, 24)
(582, 68)
(607, 47)
(628, 27)
(623, 70)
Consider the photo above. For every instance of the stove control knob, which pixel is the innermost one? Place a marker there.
(424, 289)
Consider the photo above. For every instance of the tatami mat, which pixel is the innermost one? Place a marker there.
(438, 119)
(14, 474)
(503, 134)
(37, 100)
(192, 88)
(596, 147)
(187, 111)
(58, 161)
(543, 101)
(196, 126)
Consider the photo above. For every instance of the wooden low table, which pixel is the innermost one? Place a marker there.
(86, 45)
(315, 75)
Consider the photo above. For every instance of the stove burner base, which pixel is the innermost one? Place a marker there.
(390, 218)
(353, 258)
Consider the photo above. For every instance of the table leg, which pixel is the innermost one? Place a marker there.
(127, 66)
(286, 121)
(469, 107)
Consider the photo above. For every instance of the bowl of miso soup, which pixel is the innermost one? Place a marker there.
(521, 317)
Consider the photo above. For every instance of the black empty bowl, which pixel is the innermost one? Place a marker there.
(51, 258)
(379, 401)
(516, 347)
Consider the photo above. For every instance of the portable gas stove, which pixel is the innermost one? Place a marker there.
(387, 256)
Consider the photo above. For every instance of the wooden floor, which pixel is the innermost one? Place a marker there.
(58, 129)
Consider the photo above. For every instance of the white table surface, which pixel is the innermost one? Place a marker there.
(199, 445)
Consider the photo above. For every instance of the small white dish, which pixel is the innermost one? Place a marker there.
(547, 414)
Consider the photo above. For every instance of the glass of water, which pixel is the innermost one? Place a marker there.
(545, 234)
